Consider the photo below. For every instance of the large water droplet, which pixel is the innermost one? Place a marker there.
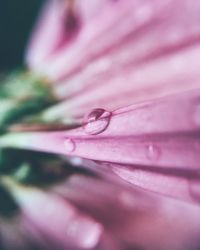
(153, 152)
(96, 121)
(69, 145)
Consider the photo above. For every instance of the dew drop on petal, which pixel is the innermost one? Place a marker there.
(69, 145)
(153, 152)
(96, 121)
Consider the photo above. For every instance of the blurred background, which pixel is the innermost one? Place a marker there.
(16, 22)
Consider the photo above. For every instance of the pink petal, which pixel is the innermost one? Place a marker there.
(87, 212)
(146, 50)
(160, 136)
(134, 217)
(57, 220)
(148, 27)
(53, 32)
(167, 127)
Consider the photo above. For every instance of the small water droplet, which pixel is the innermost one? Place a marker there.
(153, 152)
(96, 121)
(69, 145)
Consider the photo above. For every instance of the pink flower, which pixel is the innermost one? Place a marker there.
(132, 67)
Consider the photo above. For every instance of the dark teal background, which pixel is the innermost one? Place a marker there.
(16, 20)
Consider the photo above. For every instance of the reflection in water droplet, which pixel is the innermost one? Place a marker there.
(69, 145)
(96, 121)
(153, 152)
(197, 114)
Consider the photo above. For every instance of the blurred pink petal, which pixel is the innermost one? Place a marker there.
(133, 213)
(60, 220)
(52, 23)
(60, 21)
(149, 16)
(147, 49)
(75, 215)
